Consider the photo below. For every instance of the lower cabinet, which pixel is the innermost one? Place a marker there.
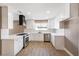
(36, 37)
(18, 44)
(10, 47)
(58, 42)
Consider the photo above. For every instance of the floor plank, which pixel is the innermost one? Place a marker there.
(41, 49)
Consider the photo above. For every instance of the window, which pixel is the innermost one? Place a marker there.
(41, 25)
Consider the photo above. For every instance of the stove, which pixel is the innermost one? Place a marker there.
(25, 39)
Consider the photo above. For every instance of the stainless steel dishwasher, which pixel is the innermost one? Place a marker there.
(47, 37)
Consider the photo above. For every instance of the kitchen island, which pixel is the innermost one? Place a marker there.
(12, 45)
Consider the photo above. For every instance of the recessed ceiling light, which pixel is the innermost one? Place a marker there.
(48, 11)
(28, 13)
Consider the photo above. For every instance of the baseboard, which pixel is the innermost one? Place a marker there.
(68, 52)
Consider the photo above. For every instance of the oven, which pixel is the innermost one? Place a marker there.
(25, 40)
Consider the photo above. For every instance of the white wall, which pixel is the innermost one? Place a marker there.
(40, 10)
(30, 24)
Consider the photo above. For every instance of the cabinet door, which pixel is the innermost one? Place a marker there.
(59, 42)
(16, 47)
(10, 21)
(18, 44)
(53, 40)
(51, 24)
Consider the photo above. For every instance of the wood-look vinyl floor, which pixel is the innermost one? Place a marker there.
(41, 49)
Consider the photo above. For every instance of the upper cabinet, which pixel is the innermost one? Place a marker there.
(4, 17)
(74, 9)
(53, 23)
(71, 10)
(74, 14)
(50, 24)
(10, 17)
(64, 24)
(10, 21)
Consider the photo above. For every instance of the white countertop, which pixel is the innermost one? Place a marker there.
(11, 37)
(57, 34)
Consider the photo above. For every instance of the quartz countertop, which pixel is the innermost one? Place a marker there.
(57, 34)
(11, 37)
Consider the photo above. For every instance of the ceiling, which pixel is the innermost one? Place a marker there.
(40, 10)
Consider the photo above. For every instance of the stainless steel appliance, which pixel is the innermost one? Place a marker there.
(47, 37)
(25, 39)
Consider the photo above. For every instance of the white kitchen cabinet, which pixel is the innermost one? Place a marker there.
(51, 24)
(11, 47)
(74, 9)
(4, 17)
(36, 37)
(57, 41)
(10, 21)
(16, 49)
(56, 23)
(18, 44)
(52, 40)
